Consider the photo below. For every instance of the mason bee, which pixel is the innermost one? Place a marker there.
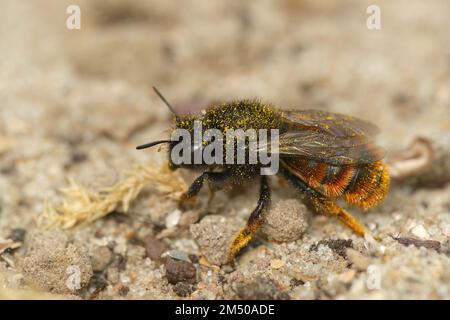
(327, 156)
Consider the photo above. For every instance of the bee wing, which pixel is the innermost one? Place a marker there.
(316, 145)
(335, 124)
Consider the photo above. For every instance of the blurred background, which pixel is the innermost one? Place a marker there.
(87, 93)
(77, 102)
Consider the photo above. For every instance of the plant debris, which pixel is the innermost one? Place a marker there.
(84, 206)
(425, 163)
(429, 244)
(412, 160)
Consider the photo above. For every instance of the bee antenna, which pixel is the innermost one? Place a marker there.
(165, 101)
(151, 144)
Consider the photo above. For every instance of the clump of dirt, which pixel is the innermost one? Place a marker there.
(287, 220)
(55, 265)
(214, 235)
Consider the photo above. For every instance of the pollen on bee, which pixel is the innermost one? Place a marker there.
(371, 188)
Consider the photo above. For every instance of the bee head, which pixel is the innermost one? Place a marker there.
(181, 122)
(185, 122)
(184, 132)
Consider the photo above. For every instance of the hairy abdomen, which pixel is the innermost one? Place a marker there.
(363, 186)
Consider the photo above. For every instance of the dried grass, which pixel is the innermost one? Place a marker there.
(81, 206)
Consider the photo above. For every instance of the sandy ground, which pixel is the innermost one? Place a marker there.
(74, 104)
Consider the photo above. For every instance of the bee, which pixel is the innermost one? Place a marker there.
(326, 156)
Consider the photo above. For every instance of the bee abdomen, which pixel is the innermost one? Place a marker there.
(362, 186)
(328, 179)
(368, 186)
(336, 180)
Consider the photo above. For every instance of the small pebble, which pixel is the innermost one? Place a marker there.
(180, 271)
(276, 263)
(100, 258)
(420, 232)
(178, 255)
(154, 248)
(123, 291)
(173, 218)
(359, 261)
(347, 276)
(372, 226)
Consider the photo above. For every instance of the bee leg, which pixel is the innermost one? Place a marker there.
(323, 204)
(215, 180)
(253, 223)
(343, 215)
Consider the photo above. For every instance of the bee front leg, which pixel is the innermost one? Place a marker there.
(215, 180)
(254, 222)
